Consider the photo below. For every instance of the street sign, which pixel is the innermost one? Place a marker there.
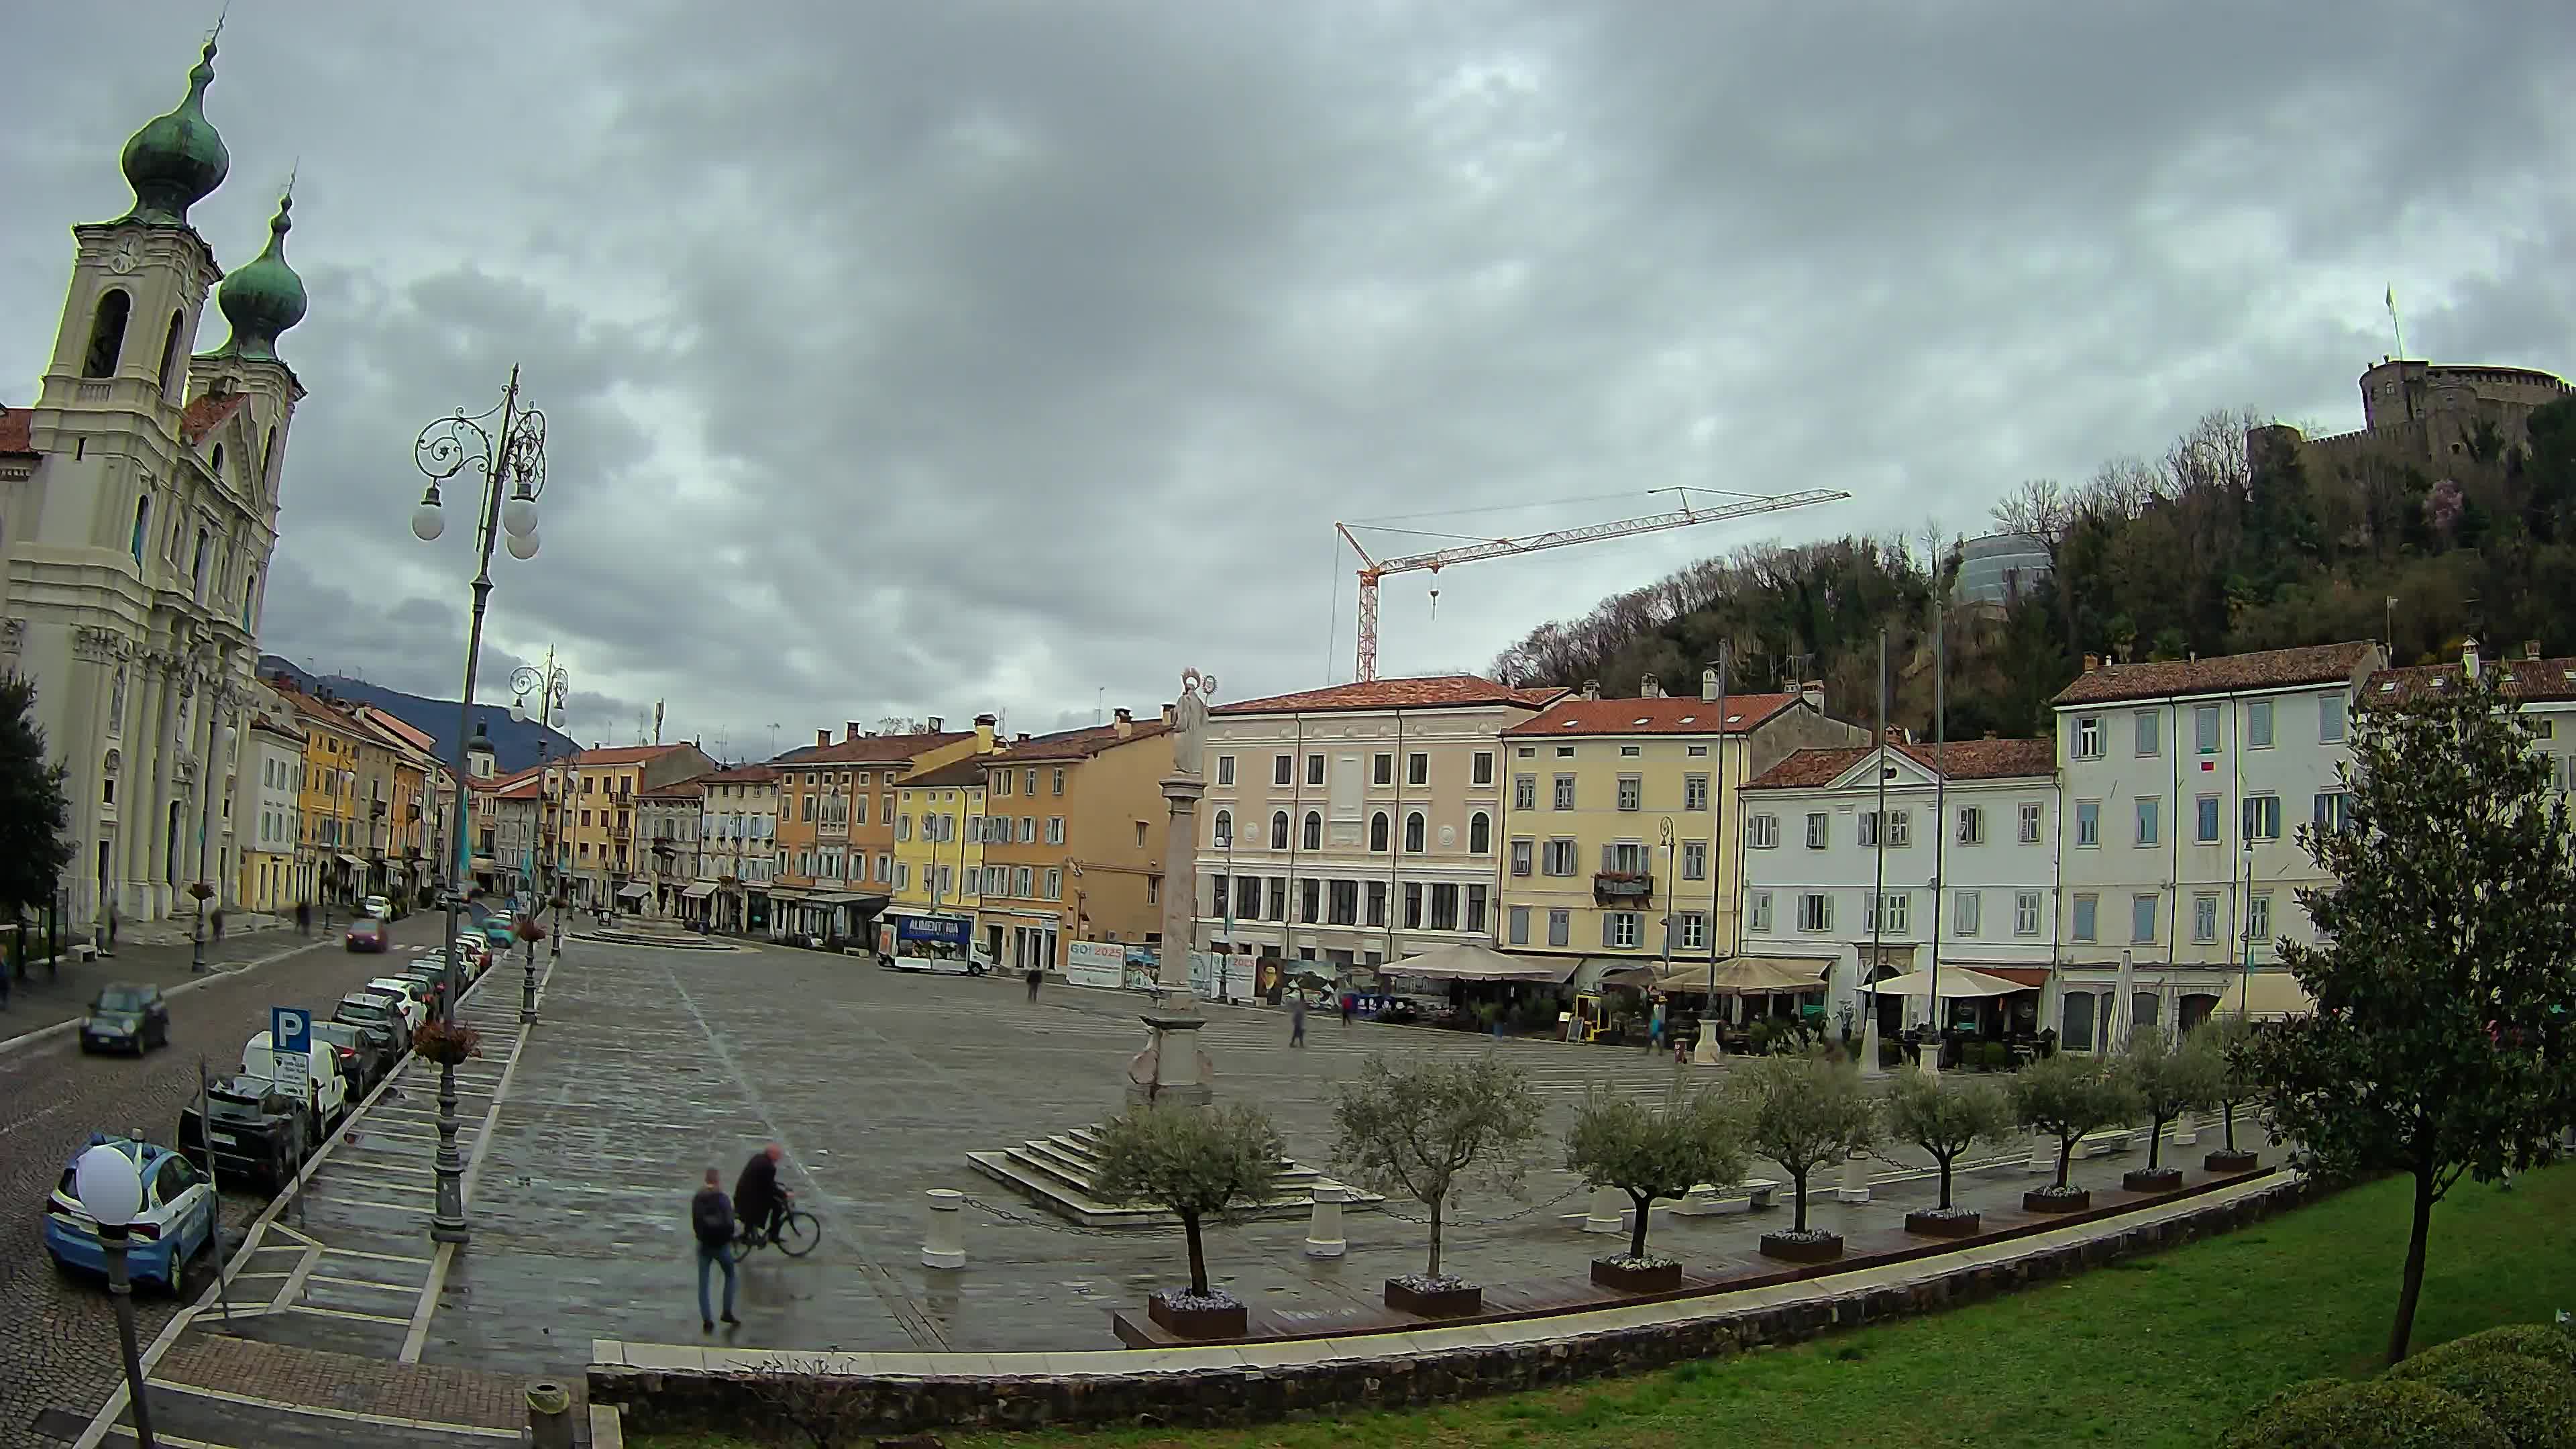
(290, 1039)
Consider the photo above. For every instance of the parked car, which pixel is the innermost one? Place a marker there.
(430, 973)
(379, 1012)
(257, 1135)
(366, 934)
(367, 1053)
(328, 1090)
(414, 998)
(178, 1218)
(496, 929)
(476, 952)
(380, 907)
(126, 1018)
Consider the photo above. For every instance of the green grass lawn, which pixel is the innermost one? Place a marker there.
(2157, 1351)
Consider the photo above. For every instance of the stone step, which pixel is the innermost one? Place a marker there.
(1054, 1190)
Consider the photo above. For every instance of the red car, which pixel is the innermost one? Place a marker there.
(365, 935)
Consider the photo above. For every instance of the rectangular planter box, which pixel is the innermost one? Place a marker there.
(1943, 1227)
(1442, 1303)
(1799, 1250)
(1227, 1322)
(1661, 1279)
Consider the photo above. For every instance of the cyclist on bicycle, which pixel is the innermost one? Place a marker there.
(757, 1198)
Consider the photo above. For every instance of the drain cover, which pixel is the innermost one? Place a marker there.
(60, 1424)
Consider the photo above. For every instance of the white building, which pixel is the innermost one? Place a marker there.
(2545, 688)
(1293, 863)
(138, 510)
(267, 813)
(2184, 784)
(1964, 867)
(737, 848)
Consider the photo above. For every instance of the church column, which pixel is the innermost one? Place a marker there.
(138, 826)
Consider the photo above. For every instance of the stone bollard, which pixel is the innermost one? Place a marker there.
(549, 1415)
(2043, 1153)
(1609, 1211)
(1324, 1226)
(944, 1245)
(2186, 1131)
(1855, 1184)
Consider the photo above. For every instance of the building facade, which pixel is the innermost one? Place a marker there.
(138, 512)
(669, 816)
(836, 809)
(267, 814)
(738, 852)
(2183, 785)
(1962, 865)
(1618, 820)
(2543, 688)
(1073, 842)
(939, 844)
(1291, 864)
(597, 819)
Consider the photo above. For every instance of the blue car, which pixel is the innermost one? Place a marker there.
(178, 1219)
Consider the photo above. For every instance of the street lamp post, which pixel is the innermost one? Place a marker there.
(511, 457)
(111, 1192)
(552, 687)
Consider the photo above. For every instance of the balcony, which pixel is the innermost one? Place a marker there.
(621, 832)
(1623, 887)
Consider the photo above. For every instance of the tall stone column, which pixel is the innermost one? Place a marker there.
(1173, 1069)
(1181, 794)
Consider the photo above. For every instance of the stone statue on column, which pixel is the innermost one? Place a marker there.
(1172, 1067)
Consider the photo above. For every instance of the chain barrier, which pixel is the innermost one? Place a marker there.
(1023, 1220)
(1449, 1222)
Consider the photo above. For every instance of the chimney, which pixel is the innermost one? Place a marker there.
(1592, 689)
(1023, 739)
(824, 737)
(1990, 734)
(1649, 687)
(2469, 657)
(1124, 721)
(935, 723)
(1171, 714)
(849, 731)
(1813, 692)
(984, 731)
(1708, 686)
(1896, 734)
(2531, 649)
(2092, 663)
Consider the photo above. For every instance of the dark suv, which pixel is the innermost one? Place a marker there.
(257, 1134)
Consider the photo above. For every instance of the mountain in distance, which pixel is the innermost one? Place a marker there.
(514, 742)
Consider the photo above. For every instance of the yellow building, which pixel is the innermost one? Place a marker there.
(938, 857)
(599, 816)
(1618, 812)
(836, 814)
(1074, 825)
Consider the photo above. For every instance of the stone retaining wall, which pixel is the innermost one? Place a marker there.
(656, 1400)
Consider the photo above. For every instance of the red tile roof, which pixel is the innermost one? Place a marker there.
(1960, 760)
(1078, 744)
(207, 413)
(17, 432)
(740, 775)
(870, 749)
(624, 754)
(693, 787)
(2526, 679)
(1437, 691)
(1662, 715)
(968, 772)
(2268, 669)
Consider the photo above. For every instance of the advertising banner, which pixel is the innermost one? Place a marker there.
(1099, 964)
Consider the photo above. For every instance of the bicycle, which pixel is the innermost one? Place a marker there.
(797, 1234)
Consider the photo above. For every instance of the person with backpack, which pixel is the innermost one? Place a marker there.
(711, 1220)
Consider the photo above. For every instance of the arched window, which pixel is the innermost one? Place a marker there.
(1279, 830)
(1314, 830)
(250, 597)
(197, 564)
(107, 334)
(1480, 833)
(1413, 832)
(142, 518)
(268, 455)
(170, 349)
(1224, 829)
(218, 469)
(1377, 831)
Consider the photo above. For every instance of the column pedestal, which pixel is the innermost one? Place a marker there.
(1172, 1069)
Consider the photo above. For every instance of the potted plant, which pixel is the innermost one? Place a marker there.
(1805, 1113)
(450, 1044)
(1945, 1119)
(2065, 1097)
(2225, 1039)
(2165, 1078)
(1195, 1161)
(1647, 1153)
(200, 890)
(1424, 1132)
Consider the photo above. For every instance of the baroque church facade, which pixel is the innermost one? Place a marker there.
(138, 513)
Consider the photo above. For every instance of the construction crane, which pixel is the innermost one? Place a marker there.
(1373, 569)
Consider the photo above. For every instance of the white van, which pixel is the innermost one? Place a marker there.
(330, 1090)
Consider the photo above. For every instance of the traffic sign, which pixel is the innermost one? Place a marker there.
(290, 1044)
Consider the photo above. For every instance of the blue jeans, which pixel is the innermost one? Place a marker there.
(718, 1255)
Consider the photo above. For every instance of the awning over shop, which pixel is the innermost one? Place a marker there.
(1957, 982)
(843, 898)
(347, 859)
(1468, 961)
(1734, 976)
(636, 892)
(2028, 977)
(2267, 994)
(699, 892)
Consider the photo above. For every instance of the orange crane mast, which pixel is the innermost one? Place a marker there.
(1374, 569)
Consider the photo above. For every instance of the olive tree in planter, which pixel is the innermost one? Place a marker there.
(1946, 1117)
(1197, 1162)
(2164, 1077)
(1805, 1113)
(1647, 1153)
(2224, 1039)
(2064, 1097)
(1426, 1131)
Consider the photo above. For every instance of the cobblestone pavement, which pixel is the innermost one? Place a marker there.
(58, 1335)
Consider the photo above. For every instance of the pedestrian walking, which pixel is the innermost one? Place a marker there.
(1297, 1021)
(219, 925)
(711, 1220)
(111, 930)
(1350, 1006)
(1655, 1028)
(304, 918)
(1035, 976)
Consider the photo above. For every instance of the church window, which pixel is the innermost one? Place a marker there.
(170, 349)
(218, 469)
(142, 518)
(197, 566)
(107, 334)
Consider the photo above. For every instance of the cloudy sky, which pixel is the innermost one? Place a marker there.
(927, 358)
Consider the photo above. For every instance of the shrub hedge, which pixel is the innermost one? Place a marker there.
(2506, 1388)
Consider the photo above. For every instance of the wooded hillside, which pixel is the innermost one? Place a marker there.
(2202, 551)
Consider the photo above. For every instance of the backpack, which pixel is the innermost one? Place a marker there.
(711, 1217)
